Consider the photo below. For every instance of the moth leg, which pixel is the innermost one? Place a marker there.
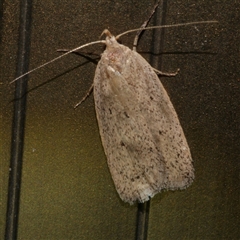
(135, 42)
(166, 74)
(84, 98)
(91, 88)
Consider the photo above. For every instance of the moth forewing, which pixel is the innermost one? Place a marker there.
(142, 137)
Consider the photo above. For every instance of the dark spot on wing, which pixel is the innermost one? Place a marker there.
(125, 113)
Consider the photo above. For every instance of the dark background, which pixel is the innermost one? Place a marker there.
(67, 191)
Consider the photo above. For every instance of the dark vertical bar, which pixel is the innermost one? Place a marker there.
(158, 35)
(14, 184)
(1, 20)
(157, 46)
(142, 220)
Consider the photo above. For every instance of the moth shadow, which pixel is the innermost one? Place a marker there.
(90, 57)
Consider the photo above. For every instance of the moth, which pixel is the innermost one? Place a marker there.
(142, 137)
(141, 134)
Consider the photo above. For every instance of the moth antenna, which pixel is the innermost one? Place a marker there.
(166, 26)
(53, 60)
(103, 41)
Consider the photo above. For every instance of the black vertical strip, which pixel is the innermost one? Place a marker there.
(18, 122)
(158, 35)
(142, 220)
(1, 20)
(157, 46)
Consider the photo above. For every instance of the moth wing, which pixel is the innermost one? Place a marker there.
(142, 138)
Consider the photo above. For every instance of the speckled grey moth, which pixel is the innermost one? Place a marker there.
(143, 140)
(142, 137)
